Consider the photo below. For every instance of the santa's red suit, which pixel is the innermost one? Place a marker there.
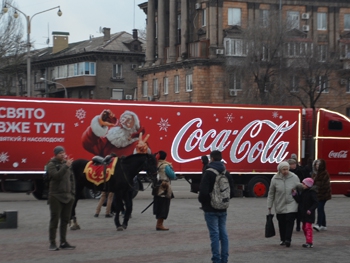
(97, 140)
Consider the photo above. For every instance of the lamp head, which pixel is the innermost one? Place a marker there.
(5, 9)
(59, 12)
(15, 15)
(42, 79)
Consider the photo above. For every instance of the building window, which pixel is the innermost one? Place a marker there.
(347, 85)
(117, 71)
(293, 19)
(294, 84)
(348, 112)
(166, 86)
(298, 49)
(235, 81)
(235, 47)
(321, 21)
(176, 84)
(204, 17)
(117, 94)
(322, 53)
(264, 18)
(144, 89)
(322, 84)
(155, 87)
(347, 22)
(189, 82)
(234, 16)
(344, 51)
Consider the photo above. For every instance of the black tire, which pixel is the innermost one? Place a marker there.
(91, 194)
(258, 187)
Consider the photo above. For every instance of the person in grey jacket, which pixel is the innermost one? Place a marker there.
(280, 195)
(61, 196)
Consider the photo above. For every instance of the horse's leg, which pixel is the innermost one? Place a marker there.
(127, 198)
(117, 203)
(73, 224)
(78, 189)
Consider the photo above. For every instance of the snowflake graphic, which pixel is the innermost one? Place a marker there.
(163, 124)
(4, 157)
(80, 114)
(229, 117)
(275, 114)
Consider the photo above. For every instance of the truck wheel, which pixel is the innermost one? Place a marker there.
(91, 194)
(258, 187)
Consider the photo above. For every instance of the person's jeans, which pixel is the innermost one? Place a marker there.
(216, 223)
(321, 215)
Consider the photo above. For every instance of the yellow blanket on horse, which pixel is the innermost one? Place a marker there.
(94, 173)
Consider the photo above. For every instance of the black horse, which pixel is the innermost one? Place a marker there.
(120, 182)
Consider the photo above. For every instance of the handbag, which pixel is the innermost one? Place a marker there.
(269, 227)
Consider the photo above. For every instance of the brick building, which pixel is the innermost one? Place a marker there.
(195, 49)
(97, 68)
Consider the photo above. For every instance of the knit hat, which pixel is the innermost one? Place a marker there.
(282, 164)
(58, 149)
(292, 161)
(309, 182)
(294, 156)
(161, 155)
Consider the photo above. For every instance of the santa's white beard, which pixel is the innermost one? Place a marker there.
(119, 137)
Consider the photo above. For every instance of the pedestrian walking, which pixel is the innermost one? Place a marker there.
(324, 192)
(306, 197)
(280, 195)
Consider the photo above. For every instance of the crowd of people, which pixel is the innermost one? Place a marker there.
(295, 192)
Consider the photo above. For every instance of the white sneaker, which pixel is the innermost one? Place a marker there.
(316, 227)
(323, 228)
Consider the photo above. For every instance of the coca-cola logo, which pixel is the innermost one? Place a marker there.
(340, 154)
(245, 146)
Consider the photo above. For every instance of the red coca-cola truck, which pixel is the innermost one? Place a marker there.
(253, 139)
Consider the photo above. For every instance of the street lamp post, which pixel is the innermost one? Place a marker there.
(28, 19)
(50, 81)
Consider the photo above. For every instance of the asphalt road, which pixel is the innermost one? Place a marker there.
(186, 242)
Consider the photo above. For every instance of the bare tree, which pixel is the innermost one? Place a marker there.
(12, 50)
(309, 71)
(260, 51)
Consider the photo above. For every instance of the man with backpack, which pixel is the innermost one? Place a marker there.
(215, 192)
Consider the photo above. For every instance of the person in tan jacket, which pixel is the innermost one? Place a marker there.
(280, 195)
(162, 192)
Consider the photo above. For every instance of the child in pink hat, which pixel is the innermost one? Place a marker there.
(308, 203)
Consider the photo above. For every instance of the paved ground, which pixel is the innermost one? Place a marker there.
(186, 242)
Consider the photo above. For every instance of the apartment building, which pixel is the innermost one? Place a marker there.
(197, 51)
(96, 68)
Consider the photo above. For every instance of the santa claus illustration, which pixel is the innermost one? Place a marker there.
(107, 135)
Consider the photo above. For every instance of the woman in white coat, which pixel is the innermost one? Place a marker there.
(280, 195)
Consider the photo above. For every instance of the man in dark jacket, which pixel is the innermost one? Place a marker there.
(215, 219)
(61, 197)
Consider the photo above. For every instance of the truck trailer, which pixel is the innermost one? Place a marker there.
(253, 139)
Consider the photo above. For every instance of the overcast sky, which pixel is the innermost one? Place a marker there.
(81, 18)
